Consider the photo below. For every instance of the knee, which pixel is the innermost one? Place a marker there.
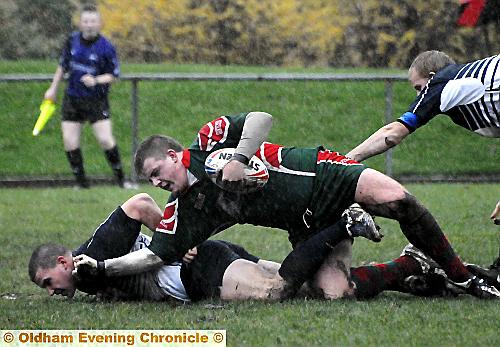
(139, 204)
(70, 142)
(408, 209)
(274, 289)
(106, 143)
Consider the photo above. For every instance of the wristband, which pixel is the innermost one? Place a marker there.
(101, 268)
(240, 157)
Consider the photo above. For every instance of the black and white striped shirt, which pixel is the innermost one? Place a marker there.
(468, 93)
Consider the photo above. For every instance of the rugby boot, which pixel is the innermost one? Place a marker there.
(433, 280)
(479, 288)
(491, 275)
(360, 223)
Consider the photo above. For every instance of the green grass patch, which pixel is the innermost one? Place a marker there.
(29, 217)
(338, 115)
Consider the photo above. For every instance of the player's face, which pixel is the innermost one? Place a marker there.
(90, 24)
(167, 173)
(57, 280)
(417, 81)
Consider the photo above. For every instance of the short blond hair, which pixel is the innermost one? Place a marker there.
(430, 61)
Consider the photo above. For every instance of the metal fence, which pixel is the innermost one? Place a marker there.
(134, 80)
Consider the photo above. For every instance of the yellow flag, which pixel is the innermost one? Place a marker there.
(47, 109)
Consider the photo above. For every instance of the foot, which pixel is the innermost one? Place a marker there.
(430, 284)
(491, 275)
(360, 223)
(428, 265)
(478, 287)
(433, 280)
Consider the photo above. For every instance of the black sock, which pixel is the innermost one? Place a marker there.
(113, 157)
(303, 262)
(76, 162)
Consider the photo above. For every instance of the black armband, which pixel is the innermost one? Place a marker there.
(241, 158)
(101, 268)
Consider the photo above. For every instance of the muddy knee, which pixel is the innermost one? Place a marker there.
(406, 210)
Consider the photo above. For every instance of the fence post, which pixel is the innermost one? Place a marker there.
(388, 91)
(135, 126)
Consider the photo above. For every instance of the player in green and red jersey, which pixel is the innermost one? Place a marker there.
(307, 190)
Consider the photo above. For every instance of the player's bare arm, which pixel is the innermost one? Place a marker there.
(92, 81)
(51, 93)
(386, 137)
(255, 132)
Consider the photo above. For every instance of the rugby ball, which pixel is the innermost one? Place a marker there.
(256, 171)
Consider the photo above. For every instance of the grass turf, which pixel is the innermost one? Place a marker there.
(29, 217)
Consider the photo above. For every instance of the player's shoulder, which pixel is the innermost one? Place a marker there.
(73, 38)
(104, 44)
(454, 72)
(219, 132)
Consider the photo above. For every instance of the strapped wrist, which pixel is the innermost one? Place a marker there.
(240, 157)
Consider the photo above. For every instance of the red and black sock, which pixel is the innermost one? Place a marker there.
(423, 231)
(370, 280)
(426, 235)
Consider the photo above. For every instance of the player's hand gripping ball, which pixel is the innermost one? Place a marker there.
(256, 173)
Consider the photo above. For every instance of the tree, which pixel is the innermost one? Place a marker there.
(34, 28)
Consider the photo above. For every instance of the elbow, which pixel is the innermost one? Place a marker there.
(263, 117)
(393, 135)
(392, 141)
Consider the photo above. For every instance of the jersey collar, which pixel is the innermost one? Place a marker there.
(186, 158)
(186, 161)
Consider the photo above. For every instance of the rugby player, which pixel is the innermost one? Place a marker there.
(307, 191)
(220, 269)
(215, 269)
(468, 93)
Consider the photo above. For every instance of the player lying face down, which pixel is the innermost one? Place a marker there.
(222, 270)
(219, 270)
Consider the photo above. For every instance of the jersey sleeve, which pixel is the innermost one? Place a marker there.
(424, 108)
(242, 252)
(111, 63)
(113, 238)
(64, 59)
(222, 132)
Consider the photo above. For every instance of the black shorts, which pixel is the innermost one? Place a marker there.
(82, 109)
(202, 278)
